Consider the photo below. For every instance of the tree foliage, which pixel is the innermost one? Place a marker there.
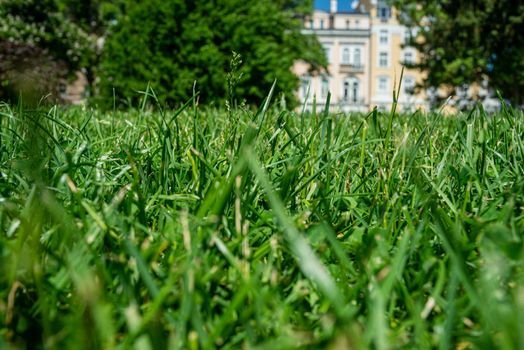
(171, 44)
(93, 16)
(465, 42)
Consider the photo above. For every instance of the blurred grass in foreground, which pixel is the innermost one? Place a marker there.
(201, 229)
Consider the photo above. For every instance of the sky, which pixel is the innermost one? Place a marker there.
(343, 5)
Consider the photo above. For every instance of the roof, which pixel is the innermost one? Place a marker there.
(345, 6)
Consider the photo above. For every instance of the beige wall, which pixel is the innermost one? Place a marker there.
(392, 72)
(339, 72)
(363, 31)
(339, 32)
(355, 21)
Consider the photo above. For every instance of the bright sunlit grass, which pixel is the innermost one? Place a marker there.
(201, 229)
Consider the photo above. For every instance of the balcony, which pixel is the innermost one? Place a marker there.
(352, 101)
(352, 105)
(351, 68)
(340, 33)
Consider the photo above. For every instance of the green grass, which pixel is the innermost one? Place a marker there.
(203, 228)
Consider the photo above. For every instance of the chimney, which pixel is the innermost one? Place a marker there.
(333, 8)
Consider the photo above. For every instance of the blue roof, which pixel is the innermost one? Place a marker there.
(322, 5)
(343, 5)
(348, 6)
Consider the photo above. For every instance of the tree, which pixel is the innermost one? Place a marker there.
(468, 42)
(173, 43)
(93, 16)
(38, 45)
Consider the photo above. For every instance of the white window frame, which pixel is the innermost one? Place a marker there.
(409, 60)
(383, 89)
(349, 95)
(324, 86)
(345, 94)
(409, 84)
(387, 61)
(383, 11)
(383, 36)
(356, 62)
(355, 93)
(305, 86)
(348, 54)
(411, 56)
(407, 36)
(328, 51)
(345, 55)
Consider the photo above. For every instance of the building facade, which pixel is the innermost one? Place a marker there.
(363, 42)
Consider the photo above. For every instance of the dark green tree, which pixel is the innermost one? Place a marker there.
(93, 16)
(173, 43)
(465, 42)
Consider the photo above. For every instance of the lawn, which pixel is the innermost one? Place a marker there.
(207, 228)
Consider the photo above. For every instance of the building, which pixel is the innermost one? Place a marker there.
(363, 42)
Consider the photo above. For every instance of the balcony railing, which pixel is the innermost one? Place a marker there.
(352, 101)
(351, 68)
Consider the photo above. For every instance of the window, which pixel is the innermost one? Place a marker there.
(351, 90)
(407, 36)
(383, 59)
(384, 36)
(311, 24)
(408, 57)
(383, 11)
(321, 24)
(304, 86)
(357, 23)
(383, 85)
(345, 55)
(409, 85)
(354, 91)
(347, 24)
(357, 57)
(327, 52)
(324, 90)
